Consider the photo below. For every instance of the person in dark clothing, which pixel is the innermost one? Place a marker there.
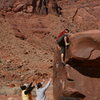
(62, 41)
(26, 91)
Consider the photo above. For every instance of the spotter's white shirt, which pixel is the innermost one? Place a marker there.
(41, 91)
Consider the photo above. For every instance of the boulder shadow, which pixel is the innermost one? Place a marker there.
(88, 68)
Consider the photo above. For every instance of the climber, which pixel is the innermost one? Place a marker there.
(40, 90)
(26, 91)
(62, 41)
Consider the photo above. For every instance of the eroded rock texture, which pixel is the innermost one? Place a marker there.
(80, 78)
(45, 7)
(31, 6)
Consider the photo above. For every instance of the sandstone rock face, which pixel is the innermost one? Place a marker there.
(31, 6)
(80, 78)
(45, 7)
(81, 14)
(84, 46)
(4, 4)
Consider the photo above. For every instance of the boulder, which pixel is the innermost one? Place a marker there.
(84, 48)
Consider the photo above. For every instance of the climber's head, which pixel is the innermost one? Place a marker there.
(39, 85)
(24, 87)
(66, 30)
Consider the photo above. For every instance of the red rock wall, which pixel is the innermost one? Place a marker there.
(80, 79)
(31, 6)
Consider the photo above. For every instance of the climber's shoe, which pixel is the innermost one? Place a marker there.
(67, 44)
(67, 65)
(63, 63)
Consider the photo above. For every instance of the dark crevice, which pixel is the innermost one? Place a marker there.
(69, 98)
(75, 15)
(42, 7)
(22, 37)
(90, 68)
(91, 53)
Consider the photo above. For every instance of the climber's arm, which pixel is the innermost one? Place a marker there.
(65, 40)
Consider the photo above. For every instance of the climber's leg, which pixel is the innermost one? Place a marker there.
(63, 55)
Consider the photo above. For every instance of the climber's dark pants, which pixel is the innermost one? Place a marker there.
(62, 49)
(61, 43)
